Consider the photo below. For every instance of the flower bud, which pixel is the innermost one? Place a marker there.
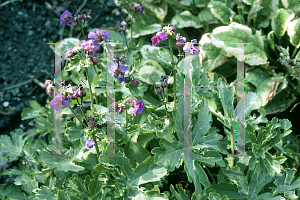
(135, 82)
(86, 17)
(91, 118)
(81, 93)
(47, 82)
(70, 2)
(74, 24)
(163, 84)
(159, 90)
(79, 17)
(173, 28)
(127, 79)
(69, 54)
(119, 110)
(91, 124)
(97, 49)
(114, 105)
(132, 102)
(95, 61)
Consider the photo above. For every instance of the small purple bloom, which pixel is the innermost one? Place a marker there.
(112, 68)
(158, 37)
(194, 41)
(155, 40)
(90, 47)
(189, 47)
(66, 18)
(138, 107)
(90, 143)
(98, 35)
(121, 79)
(162, 35)
(124, 68)
(57, 102)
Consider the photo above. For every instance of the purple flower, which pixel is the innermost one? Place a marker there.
(90, 47)
(158, 37)
(66, 18)
(90, 143)
(112, 68)
(57, 102)
(124, 68)
(98, 35)
(189, 47)
(121, 79)
(138, 107)
(180, 40)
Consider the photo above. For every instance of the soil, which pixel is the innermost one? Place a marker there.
(26, 27)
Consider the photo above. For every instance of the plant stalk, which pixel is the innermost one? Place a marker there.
(82, 112)
(96, 145)
(232, 148)
(91, 94)
(77, 117)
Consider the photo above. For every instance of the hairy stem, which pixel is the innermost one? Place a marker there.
(77, 117)
(96, 145)
(91, 94)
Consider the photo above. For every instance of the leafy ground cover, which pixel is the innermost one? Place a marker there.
(155, 157)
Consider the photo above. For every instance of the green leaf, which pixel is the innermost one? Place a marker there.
(290, 4)
(280, 22)
(294, 32)
(149, 67)
(12, 192)
(213, 56)
(74, 62)
(186, 19)
(223, 37)
(61, 195)
(45, 194)
(29, 183)
(11, 147)
(34, 111)
(286, 185)
(264, 16)
(206, 16)
(137, 31)
(181, 195)
(74, 132)
(220, 11)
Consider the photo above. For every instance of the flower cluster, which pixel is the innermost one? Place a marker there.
(50, 87)
(163, 84)
(80, 92)
(118, 68)
(138, 106)
(138, 8)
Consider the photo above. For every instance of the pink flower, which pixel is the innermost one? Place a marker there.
(158, 37)
(47, 82)
(57, 102)
(138, 108)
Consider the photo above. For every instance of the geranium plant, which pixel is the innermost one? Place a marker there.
(152, 156)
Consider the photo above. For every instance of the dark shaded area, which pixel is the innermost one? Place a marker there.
(26, 27)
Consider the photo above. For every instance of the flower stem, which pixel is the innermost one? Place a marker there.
(77, 117)
(232, 148)
(152, 114)
(294, 52)
(96, 145)
(174, 71)
(82, 112)
(126, 41)
(91, 94)
(126, 124)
